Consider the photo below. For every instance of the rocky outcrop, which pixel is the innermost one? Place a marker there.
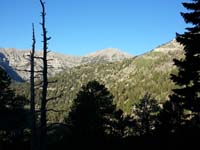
(170, 46)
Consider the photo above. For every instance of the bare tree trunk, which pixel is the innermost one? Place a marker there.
(43, 119)
(32, 88)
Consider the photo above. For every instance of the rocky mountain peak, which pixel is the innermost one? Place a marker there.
(110, 54)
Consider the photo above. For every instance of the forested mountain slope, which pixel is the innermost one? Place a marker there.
(127, 80)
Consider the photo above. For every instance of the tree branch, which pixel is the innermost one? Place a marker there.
(54, 98)
(57, 111)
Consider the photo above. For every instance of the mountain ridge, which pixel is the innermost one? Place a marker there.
(13, 60)
(17, 59)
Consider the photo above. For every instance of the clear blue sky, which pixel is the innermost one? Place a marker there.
(78, 27)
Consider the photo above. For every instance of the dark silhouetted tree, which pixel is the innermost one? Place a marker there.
(167, 120)
(186, 97)
(13, 116)
(92, 112)
(32, 99)
(122, 124)
(145, 113)
(4, 87)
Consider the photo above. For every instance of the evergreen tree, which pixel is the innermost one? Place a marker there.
(122, 124)
(187, 95)
(12, 112)
(5, 91)
(167, 120)
(145, 114)
(91, 113)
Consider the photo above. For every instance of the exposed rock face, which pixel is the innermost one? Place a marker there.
(13, 61)
(109, 55)
(170, 46)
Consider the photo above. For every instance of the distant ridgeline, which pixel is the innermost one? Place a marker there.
(15, 60)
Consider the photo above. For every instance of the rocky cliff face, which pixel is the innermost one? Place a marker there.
(14, 61)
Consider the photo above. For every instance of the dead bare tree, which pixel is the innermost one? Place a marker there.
(43, 110)
(39, 141)
(32, 99)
